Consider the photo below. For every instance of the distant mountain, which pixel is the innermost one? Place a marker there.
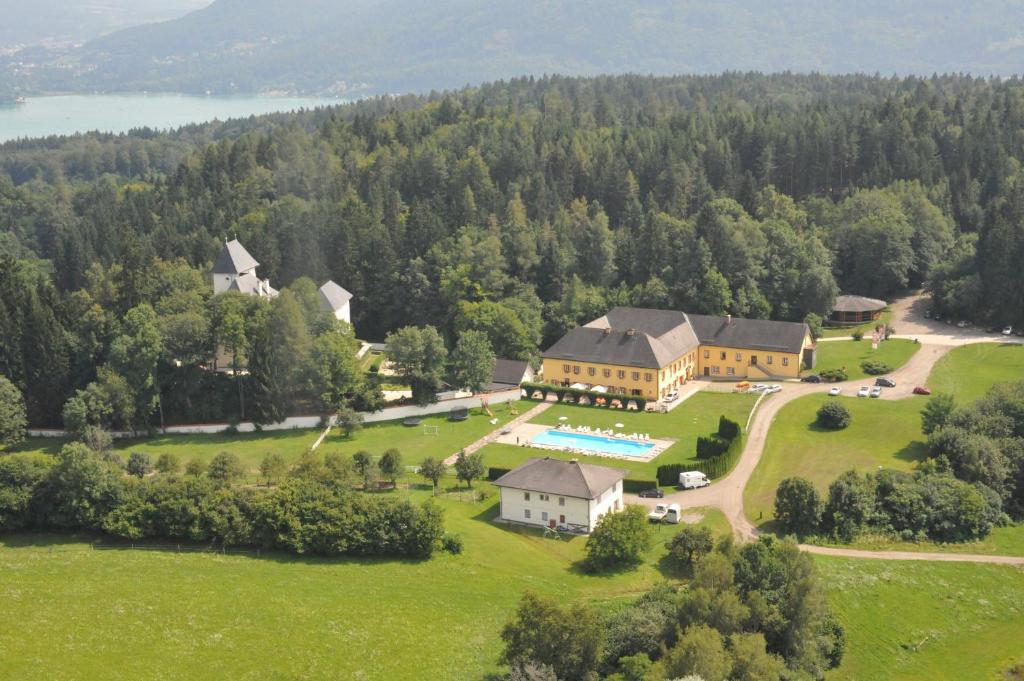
(400, 45)
(33, 22)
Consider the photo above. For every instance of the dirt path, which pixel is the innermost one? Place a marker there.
(727, 493)
(493, 435)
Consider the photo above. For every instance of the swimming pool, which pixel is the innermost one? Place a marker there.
(592, 443)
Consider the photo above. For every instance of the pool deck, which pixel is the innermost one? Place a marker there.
(522, 435)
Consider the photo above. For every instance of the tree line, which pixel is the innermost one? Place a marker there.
(519, 209)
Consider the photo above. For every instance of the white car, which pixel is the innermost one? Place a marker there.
(961, 324)
(835, 391)
(774, 389)
(876, 391)
(672, 396)
(658, 514)
(757, 387)
(864, 391)
(1008, 331)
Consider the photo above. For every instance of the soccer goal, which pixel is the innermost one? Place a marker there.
(431, 430)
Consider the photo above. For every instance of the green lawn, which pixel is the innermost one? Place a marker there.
(882, 433)
(144, 614)
(413, 442)
(866, 328)
(1003, 541)
(849, 354)
(926, 621)
(696, 416)
(969, 371)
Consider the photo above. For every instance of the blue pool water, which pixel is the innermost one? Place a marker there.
(592, 443)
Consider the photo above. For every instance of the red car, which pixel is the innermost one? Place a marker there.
(921, 390)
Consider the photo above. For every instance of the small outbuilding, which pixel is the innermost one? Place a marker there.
(556, 493)
(508, 374)
(856, 309)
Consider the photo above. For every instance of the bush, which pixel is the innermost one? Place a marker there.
(833, 416)
(833, 375)
(139, 464)
(873, 368)
(493, 473)
(857, 335)
(452, 543)
(619, 540)
(727, 428)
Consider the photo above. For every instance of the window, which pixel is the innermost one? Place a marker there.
(636, 375)
(707, 354)
(566, 368)
(723, 355)
(526, 496)
(622, 374)
(785, 361)
(607, 373)
(647, 377)
(526, 513)
(561, 519)
(575, 369)
(544, 516)
(544, 497)
(591, 371)
(770, 358)
(716, 370)
(731, 371)
(739, 356)
(561, 501)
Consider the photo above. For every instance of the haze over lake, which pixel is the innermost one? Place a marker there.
(66, 115)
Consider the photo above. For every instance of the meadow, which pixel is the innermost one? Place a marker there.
(133, 614)
(697, 416)
(849, 354)
(969, 371)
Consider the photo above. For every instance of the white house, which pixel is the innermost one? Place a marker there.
(552, 492)
(235, 270)
(335, 299)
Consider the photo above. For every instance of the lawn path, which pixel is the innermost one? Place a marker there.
(493, 435)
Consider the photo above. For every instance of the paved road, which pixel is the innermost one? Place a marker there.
(727, 493)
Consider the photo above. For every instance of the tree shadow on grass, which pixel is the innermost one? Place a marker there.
(914, 451)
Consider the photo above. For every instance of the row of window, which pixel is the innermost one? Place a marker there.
(724, 356)
(528, 514)
(544, 497)
(607, 373)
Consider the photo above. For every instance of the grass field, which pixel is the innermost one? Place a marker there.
(882, 433)
(1002, 541)
(413, 442)
(696, 416)
(849, 354)
(124, 614)
(926, 621)
(969, 371)
(866, 328)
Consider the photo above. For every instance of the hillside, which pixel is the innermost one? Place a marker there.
(374, 46)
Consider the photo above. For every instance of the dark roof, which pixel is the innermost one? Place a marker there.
(750, 334)
(629, 336)
(509, 371)
(333, 297)
(564, 478)
(858, 304)
(234, 259)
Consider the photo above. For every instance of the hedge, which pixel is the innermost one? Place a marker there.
(635, 486)
(495, 473)
(875, 368)
(560, 392)
(723, 456)
(711, 446)
(727, 428)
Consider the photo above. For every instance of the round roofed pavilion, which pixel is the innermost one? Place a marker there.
(856, 309)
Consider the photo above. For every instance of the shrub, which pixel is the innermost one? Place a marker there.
(167, 463)
(225, 468)
(452, 543)
(857, 335)
(874, 368)
(619, 540)
(833, 416)
(139, 464)
(727, 428)
(833, 375)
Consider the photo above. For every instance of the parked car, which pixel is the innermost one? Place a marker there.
(658, 513)
(812, 378)
(674, 515)
(876, 392)
(772, 389)
(693, 480)
(885, 382)
(864, 391)
(653, 493)
(757, 387)
(921, 390)
(672, 396)
(1008, 331)
(835, 391)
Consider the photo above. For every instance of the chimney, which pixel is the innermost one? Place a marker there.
(728, 319)
(631, 332)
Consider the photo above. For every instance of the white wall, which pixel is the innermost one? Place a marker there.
(609, 502)
(295, 422)
(585, 512)
(344, 313)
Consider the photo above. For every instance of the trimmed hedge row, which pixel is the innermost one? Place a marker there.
(717, 454)
(561, 392)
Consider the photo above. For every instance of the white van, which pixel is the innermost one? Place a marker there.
(693, 480)
(674, 515)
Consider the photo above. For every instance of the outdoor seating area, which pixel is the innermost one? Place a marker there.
(586, 441)
(604, 432)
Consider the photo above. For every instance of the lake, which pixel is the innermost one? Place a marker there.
(68, 114)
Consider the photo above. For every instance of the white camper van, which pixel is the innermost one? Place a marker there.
(674, 515)
(693, 480)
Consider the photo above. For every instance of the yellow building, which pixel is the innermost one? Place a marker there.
(649, 353)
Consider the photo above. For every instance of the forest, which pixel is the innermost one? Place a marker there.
(517, 209)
